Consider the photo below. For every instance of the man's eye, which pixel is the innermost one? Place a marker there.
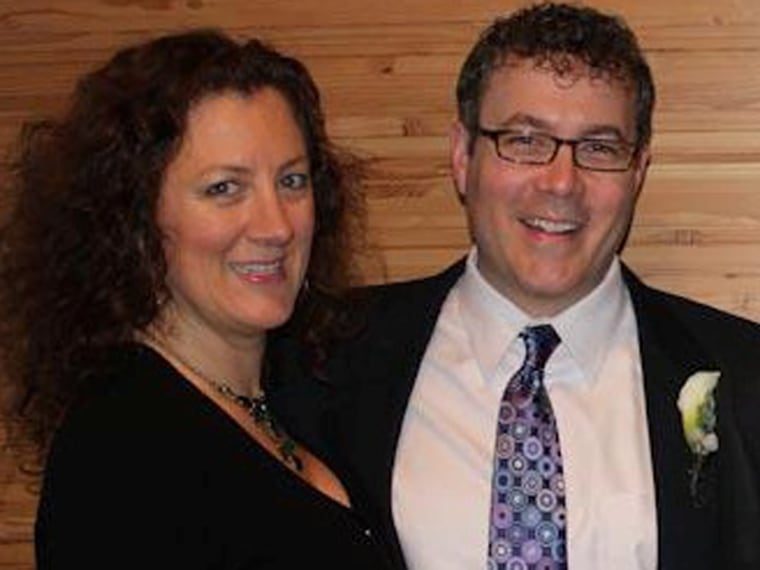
(295, 181)
(606, 148)
(521, 140)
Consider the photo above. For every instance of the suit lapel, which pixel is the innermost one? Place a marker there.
(385, 360)
(669, 355)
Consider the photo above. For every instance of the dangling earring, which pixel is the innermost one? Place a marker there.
(304, 291)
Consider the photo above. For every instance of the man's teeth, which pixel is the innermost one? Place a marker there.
(550, 226)
(257, 267)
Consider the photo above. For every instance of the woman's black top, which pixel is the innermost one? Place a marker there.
(147, 472)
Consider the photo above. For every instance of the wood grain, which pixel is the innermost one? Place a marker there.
(387, 71)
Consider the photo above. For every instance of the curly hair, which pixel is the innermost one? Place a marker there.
(82, 265)
(557, 36)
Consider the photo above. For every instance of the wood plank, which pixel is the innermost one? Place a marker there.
(387, 71)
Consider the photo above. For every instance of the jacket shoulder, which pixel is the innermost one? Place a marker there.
(713, 326)
(428, 291)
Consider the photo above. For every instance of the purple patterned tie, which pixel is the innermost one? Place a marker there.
(527, 529)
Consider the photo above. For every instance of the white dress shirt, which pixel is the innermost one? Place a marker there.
(442, 475)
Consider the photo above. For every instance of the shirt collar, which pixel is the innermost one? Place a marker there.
(586, 328)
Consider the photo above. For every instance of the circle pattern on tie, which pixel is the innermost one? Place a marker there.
(528, 517)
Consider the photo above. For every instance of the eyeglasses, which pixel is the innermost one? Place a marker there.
(603, 155)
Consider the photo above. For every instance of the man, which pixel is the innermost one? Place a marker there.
(549, 156)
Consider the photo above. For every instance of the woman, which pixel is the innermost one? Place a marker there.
(160, 231)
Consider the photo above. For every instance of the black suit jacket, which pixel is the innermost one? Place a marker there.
(369, 379)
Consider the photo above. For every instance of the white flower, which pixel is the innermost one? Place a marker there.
(697, 405)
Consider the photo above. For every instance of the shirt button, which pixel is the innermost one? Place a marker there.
(367, 532)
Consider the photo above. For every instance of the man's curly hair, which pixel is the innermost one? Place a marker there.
(558, 36)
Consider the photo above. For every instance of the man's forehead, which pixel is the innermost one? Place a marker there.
(568, 96)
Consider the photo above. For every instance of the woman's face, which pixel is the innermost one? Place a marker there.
(237, 211)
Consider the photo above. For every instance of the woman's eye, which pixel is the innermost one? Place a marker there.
(222, 188)
(295, 181)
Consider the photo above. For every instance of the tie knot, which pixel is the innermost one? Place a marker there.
(540, 342)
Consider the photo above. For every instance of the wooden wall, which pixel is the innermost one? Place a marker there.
(387, 70)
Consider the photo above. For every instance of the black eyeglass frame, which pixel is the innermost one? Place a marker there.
(494, 134)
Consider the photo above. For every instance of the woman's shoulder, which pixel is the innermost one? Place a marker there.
(122, 377)
(126, 399)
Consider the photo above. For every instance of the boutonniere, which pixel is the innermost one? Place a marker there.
(697, 405)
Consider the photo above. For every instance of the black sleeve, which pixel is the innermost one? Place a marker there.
(113, 497)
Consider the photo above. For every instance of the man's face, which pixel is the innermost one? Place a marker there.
(546, 234)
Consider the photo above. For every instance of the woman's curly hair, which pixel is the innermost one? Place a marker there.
(81, 259)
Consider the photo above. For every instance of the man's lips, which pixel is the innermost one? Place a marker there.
(553, 227)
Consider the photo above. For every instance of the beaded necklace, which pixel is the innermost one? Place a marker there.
(255, 406)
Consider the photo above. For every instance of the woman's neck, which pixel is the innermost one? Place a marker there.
(227, 358)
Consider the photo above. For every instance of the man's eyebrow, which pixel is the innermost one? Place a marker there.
(591, 131)
(523, 119)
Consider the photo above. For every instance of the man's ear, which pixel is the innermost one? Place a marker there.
(459, 149)
(641, 167)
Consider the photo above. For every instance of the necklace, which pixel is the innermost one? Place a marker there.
(256, 407)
